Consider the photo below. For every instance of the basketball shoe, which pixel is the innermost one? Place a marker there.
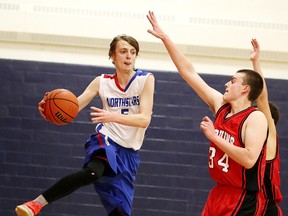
(30, 208)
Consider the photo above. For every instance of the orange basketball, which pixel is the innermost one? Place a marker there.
(61, 106)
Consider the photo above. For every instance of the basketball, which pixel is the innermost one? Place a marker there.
(61, 106)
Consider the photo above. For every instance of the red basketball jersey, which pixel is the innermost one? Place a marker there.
(223, 169)
(272, 178)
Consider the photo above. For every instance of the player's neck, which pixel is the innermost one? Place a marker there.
(124, 78)
(239, 106)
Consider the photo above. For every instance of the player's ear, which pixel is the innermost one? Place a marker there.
(246, 88)
(112, 57)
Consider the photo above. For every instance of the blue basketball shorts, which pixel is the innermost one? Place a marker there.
(116, 188)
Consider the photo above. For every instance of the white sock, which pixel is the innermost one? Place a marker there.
(41, 200)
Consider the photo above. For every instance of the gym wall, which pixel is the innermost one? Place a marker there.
(173, 178)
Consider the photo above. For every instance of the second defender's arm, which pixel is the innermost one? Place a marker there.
(263, 102)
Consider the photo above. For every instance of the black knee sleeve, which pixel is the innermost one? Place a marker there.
(116, 212)
(88, 175)
(96, 167)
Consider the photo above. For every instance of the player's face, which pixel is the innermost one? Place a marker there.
(234, 88)
(124, 56)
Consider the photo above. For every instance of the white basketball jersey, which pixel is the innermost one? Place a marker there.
(123, 101)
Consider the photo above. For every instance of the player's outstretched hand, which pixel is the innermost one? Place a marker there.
(156, 31)
(255, 53)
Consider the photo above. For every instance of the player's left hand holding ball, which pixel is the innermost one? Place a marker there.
(100, 115)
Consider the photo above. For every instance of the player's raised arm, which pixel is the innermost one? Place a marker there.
(263, 101)
(186, 69)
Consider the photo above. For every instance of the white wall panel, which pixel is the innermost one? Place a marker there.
(214, 34)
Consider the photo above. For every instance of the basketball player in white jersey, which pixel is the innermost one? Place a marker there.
(112, 158)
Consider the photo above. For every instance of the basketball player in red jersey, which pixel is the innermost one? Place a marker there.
(237, 139)
(272, 173)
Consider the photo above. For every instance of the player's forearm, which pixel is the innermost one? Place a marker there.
(181, 62)
(257, 68)
(134, 120)
(238, 154)
(83, 101)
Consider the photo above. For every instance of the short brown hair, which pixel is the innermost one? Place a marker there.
(255, 81)
(132, 41)
(274, 112)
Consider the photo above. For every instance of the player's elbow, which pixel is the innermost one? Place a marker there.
(249, 164)
(144, 123)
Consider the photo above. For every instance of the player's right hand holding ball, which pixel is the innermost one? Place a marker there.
(41, 106)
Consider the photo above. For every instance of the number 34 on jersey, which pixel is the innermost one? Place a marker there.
(223, 161)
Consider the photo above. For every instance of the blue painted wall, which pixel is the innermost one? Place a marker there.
(173, 179)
